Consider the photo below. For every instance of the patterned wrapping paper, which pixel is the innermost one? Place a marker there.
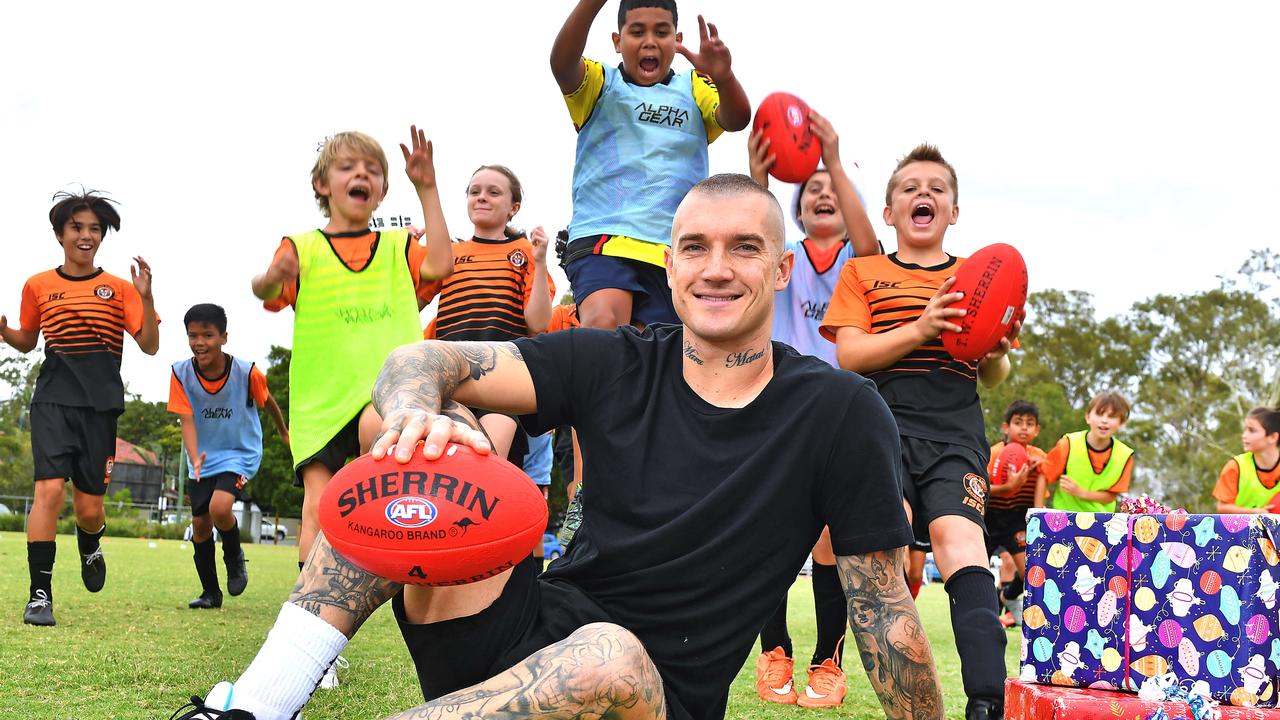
(1025, 701)
(1076, 607)
(1192, 595)
(1204, 596)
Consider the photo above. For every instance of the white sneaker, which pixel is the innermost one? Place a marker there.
(330, 679)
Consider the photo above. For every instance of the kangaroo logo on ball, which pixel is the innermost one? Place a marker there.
(411, 512)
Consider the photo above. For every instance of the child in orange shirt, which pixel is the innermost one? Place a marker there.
(1090, 467)
(1250, 481)
(1006, 515)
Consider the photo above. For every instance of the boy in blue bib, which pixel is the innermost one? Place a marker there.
(217, 398)
(643, 132)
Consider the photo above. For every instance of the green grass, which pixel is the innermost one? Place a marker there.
(135, 651)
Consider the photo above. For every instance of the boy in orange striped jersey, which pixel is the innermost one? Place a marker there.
(885, 317)
(83, 313)
(1023, 488)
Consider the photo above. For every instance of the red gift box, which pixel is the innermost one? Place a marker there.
(1028, 701)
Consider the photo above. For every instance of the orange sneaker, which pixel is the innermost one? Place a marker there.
(773, 677)
(826, 686)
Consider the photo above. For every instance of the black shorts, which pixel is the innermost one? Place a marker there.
(76, 443)
(528, 616)
(519, 441)
(202, 492)
(1007, 530)
(942, 479)
(336, 453)
(647, 283)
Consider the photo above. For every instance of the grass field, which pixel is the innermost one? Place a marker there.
(135, 651)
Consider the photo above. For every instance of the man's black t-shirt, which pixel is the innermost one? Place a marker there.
(697, 518)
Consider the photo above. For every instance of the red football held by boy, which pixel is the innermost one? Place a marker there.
(452, 521)
(994, 283)
(783, 119)
(1010, 460)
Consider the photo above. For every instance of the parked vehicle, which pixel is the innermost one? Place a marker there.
(551, 547)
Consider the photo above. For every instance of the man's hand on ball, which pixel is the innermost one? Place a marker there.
(402, 430)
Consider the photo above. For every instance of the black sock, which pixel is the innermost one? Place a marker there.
(206, 568)
(230, 542)
(980, 640)
(1012, 589)
(87, 541)
(40, 556)
(832, 612)
(774, 633)
(300, 564)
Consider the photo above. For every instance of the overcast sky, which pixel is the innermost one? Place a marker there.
(1126, 149)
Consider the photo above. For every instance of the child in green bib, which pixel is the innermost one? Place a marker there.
(1089, 469)
(1250, 481)
(353, 292)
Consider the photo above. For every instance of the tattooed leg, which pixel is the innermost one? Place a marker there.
(600, 671)
(334, 590)
(891, 640)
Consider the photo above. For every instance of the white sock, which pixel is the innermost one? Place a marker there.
(280, 680)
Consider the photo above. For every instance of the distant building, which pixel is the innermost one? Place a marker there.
(139, 470)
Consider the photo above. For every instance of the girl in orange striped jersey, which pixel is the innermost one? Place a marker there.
(500, 289)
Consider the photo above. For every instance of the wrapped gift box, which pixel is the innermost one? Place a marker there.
(1114, 599)
(1074, 615)
(1203, 597)
(1027, 701)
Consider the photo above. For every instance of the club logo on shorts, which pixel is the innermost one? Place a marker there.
(517, 258)
(111, 463)
(975, 487)
(104, 291)
(241, 481)
(1020, 537)
(411, 511)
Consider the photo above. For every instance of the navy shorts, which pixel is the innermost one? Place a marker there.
(943, 479)
(650, 294)
(74, 443)
(201, 493)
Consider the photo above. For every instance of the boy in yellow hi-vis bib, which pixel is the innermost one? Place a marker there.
(1090, 468)
(352, 290)
(1250, 481)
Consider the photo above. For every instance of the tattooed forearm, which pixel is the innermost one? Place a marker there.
(891, 640)
(338, 592)
(692, 353)
(424, 375)
(746, 357)
(600, 671)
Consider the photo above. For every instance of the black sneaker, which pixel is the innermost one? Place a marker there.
(94, 570)
(984, 709)
(237, 574)
(206, 601)
(197, 710)
(39, 610)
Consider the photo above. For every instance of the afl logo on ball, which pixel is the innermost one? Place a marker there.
(517, 258)
(794, 116)
(104, 291)
(411, 512)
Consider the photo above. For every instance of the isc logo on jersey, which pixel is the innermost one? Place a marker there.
(411, 512)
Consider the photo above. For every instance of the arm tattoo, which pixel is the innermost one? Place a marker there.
(423, 376)
(600, 671)
(891, 640)
(333, 589)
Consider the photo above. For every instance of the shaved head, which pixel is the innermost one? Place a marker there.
(729, 186)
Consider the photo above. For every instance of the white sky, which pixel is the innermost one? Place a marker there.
(1126, 148)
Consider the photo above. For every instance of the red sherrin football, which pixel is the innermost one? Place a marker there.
(994, 283)
(452, 521)
(783, 118)
(1010, 459)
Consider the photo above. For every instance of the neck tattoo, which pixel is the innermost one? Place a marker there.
(745, 357)
(692, 354)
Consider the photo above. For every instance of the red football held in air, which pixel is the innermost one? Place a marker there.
(783, 119)
(452, 521)
(1010, 459)
(994, 283)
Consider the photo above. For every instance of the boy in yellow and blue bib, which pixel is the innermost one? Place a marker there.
(643, 132)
